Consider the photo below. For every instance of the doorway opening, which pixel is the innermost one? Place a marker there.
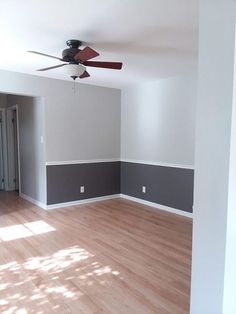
(22, 147)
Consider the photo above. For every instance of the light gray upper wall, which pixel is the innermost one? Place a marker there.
(158, 121)
(32, 151)
(3, 101)
(82, 125)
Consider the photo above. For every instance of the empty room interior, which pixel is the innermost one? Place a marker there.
(117, 157)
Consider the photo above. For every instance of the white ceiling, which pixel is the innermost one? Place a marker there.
(153, 38)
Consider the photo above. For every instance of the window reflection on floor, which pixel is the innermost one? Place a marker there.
(25, 230)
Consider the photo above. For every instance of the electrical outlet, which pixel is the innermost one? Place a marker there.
(144, 189)
(82, 189)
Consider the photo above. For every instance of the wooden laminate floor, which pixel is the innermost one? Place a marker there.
(114, 256)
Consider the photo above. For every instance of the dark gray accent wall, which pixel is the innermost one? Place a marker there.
(167, 186)
(99, 179)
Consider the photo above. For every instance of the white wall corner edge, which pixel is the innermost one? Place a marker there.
(158, 206)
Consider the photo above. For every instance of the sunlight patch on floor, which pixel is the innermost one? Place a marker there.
(58, 261)
(49, 281)
(25, 230)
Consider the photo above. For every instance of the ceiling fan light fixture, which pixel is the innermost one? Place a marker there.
(74, 70)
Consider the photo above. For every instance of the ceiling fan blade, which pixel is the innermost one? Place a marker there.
(86, 54)
(84, 75)
(102, 64)
(53, 67)
(44, 54)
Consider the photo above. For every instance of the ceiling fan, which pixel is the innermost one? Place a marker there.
(77, 59)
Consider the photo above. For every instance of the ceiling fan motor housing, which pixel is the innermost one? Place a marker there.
(69, 53)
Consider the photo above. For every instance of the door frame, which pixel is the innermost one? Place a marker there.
(10, 109)
(4, 134)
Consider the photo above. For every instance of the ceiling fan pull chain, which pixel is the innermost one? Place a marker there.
(75, 90)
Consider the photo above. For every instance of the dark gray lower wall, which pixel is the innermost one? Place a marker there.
(99, 179)
(167, 186)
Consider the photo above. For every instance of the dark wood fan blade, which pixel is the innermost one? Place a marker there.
(86, 54)
(53, 67)
(106, 65)
(84, 75)
(44, 54)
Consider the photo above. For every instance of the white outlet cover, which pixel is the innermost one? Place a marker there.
(82, 189)
(144, 189)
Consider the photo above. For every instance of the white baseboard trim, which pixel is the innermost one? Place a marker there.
(33, 201)
(104, 198)
(157, 206)
(85, 201)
